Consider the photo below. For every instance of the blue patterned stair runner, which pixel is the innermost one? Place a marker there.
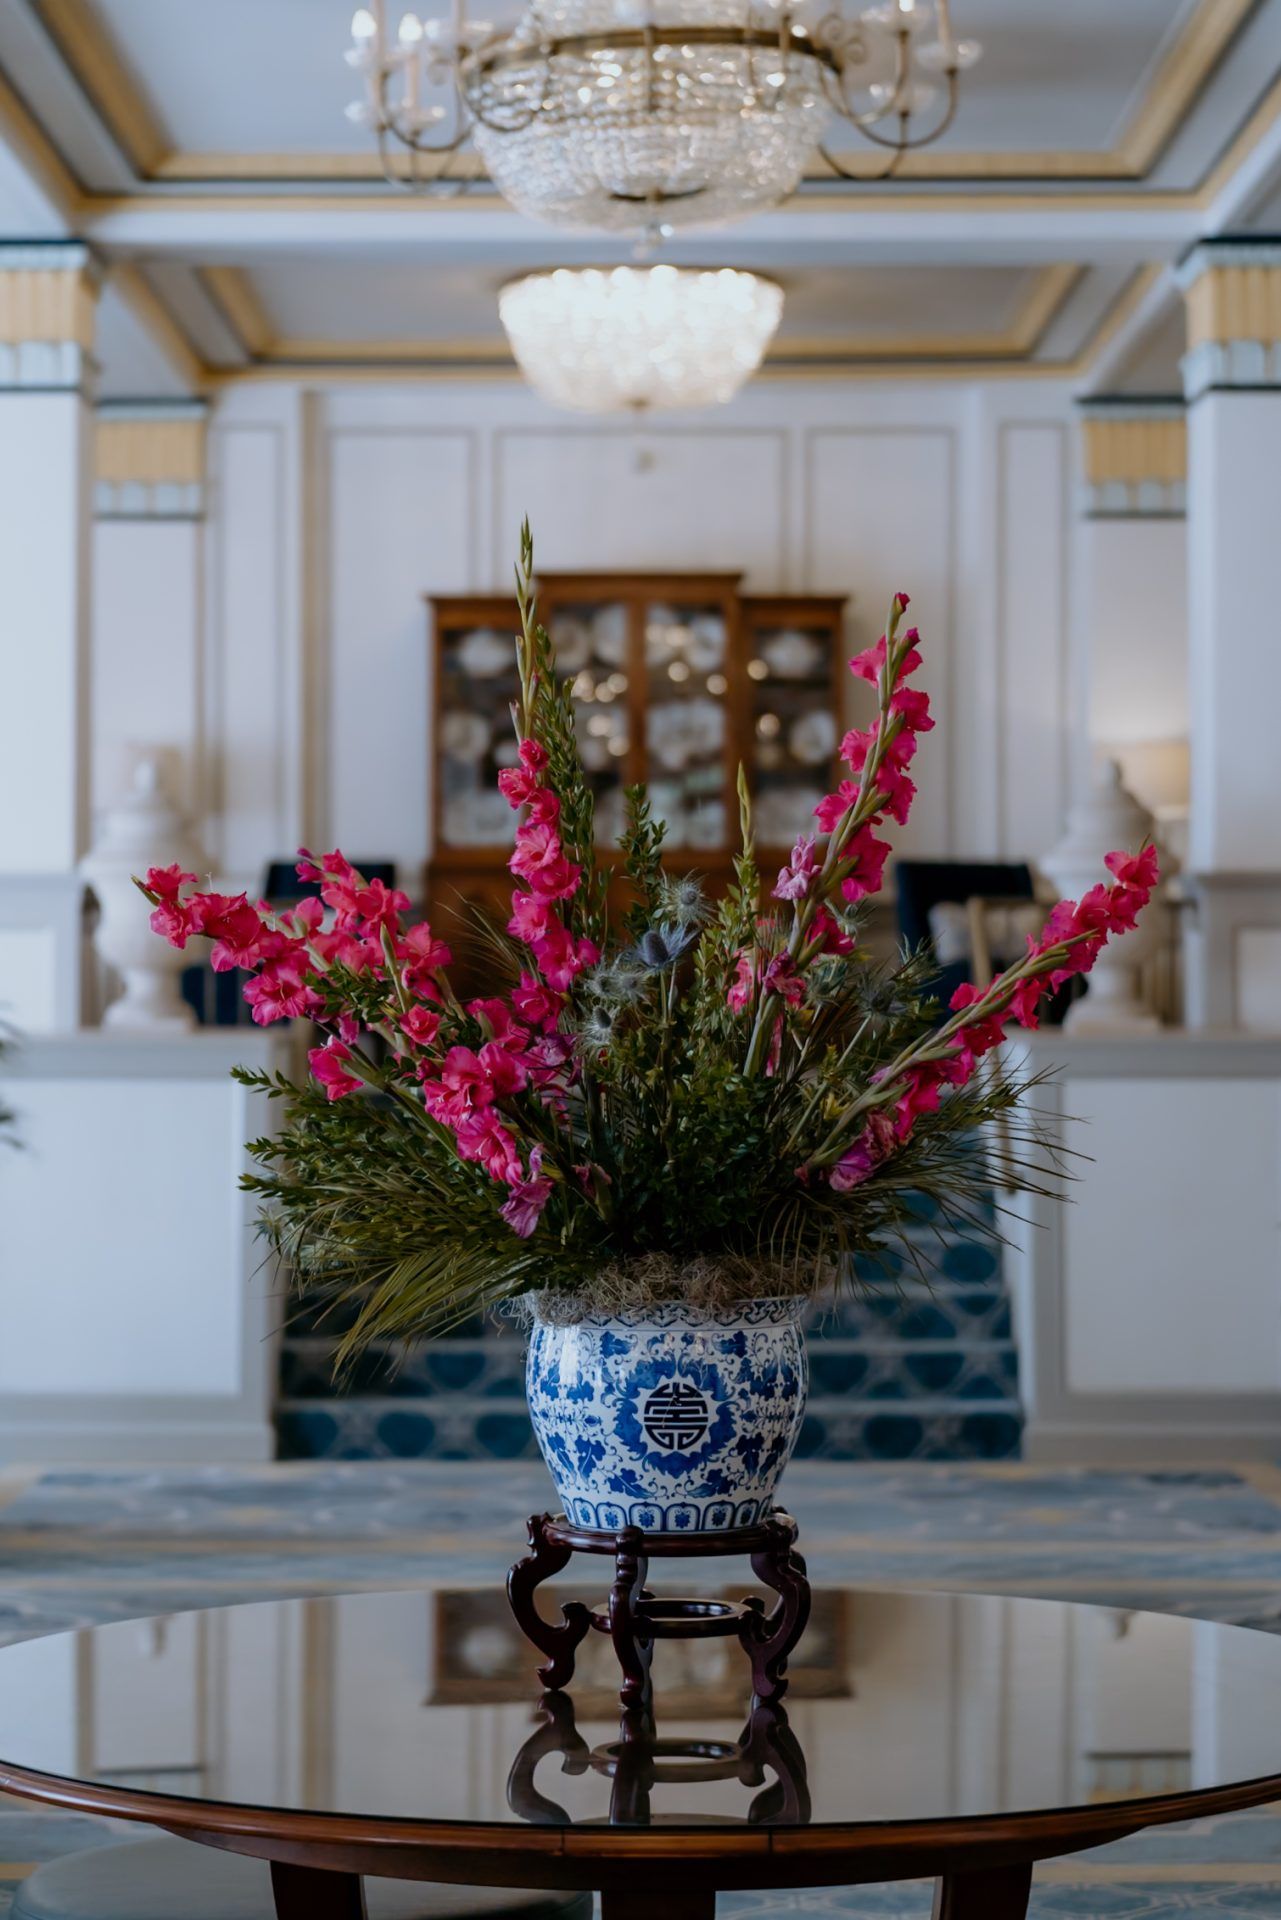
(910, 1371)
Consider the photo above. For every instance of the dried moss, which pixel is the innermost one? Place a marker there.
(709, 1283)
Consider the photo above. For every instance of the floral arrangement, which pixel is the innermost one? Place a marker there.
(690, 1098)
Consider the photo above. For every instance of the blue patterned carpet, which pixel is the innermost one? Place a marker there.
(81, 1547)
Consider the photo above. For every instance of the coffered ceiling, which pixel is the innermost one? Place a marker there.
(201, 147)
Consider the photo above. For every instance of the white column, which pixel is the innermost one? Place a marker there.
(1232, 381)
(148, 596)
(1131, 576)
(47, 298)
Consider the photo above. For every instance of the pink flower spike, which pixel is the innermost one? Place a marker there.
(327, 1067)
(421, 1026)
(523, 1208)
(167, 881)
(794, 880)
(533, 755)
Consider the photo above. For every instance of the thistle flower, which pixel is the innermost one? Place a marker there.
(662, 946)
(682, 902)
(597, 1030)
(618, 980)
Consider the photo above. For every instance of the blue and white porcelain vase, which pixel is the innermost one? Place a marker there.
(673, 1418)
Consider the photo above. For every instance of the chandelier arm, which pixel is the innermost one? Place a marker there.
(902, 75)
(857, 175)
(904, 143)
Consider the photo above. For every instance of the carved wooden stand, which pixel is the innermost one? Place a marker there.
(634, 1618)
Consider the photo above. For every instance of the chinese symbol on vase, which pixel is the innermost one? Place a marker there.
(676, 1416)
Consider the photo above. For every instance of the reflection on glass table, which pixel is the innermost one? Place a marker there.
(910, 1706)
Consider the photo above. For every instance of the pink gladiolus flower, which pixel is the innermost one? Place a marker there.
(743, 990)
(532, 918)
(535, 1003)
(869, 664)
(503, 1028)
(824, 928)
(341, 950)
(869, 856)
(421, 1026)
(422, 946)
(561, 958)
(540, 861)
(504, 1070)
(348, 1029)
(517, 785)
(1140, 870)
(533, 755)
(306, 918)
(327, 1067)
(523, 1208)
(174, 921)
(483, 1137)
(167, 881)
(832, 810)
(781, 978)
(865, 1156)
(461, 1087)
(913, 705)
(544, 808)
(796, 878)
(282, 991)
(320, 866)
(381, 906)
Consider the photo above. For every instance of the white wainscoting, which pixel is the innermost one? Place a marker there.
(1149, 1305)
(138, 1317)
(333, 512)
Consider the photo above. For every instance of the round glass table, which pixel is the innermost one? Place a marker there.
(401, 1734)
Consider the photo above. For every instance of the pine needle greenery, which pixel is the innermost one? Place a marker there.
(684, 1096)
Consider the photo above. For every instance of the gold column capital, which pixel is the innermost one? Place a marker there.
(1134, 455)
(48, 297)
(149, 460)
(1232, 296)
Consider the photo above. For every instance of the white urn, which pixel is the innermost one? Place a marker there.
(1108, 818)
(143, 830)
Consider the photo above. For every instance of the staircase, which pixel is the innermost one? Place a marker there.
(909, 1371)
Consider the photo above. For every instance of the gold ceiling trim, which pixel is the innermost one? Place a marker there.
(51, 304)
(1234, 303)
(1180, 76)
(233, 292)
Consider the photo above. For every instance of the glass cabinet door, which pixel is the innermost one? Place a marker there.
(793, 721)
(686, 656)
(474, 738)
(594, 648)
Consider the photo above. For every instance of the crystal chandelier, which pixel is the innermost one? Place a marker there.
(639, 338)
(653, 114)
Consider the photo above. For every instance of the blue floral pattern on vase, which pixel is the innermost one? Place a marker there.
(675, 1419)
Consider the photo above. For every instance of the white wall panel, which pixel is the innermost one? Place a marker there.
(147, 585)
(251, 697)
(705, 500)
(1150, 1256)
(879, 519)
(1034, 681)
(402, 519)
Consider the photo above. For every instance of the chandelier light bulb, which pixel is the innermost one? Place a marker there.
(639, 339)
(410, 31)
(363, 26)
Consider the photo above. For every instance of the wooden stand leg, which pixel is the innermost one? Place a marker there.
(770, 1640)
(634, 1647)
(558, 1640)
(997, 1893)
(313, 1893)
(689, 1903)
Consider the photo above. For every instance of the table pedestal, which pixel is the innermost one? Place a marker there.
(635, 1619)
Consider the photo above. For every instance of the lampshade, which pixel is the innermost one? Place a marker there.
(639, 338)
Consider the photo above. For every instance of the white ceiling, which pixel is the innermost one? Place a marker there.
(211, 134)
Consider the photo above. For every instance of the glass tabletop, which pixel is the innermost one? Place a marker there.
(423, 1705)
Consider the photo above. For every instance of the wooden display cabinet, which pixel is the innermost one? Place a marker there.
(678, 678)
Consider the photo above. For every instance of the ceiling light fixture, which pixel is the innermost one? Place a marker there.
(648, 115)
(639, 339)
